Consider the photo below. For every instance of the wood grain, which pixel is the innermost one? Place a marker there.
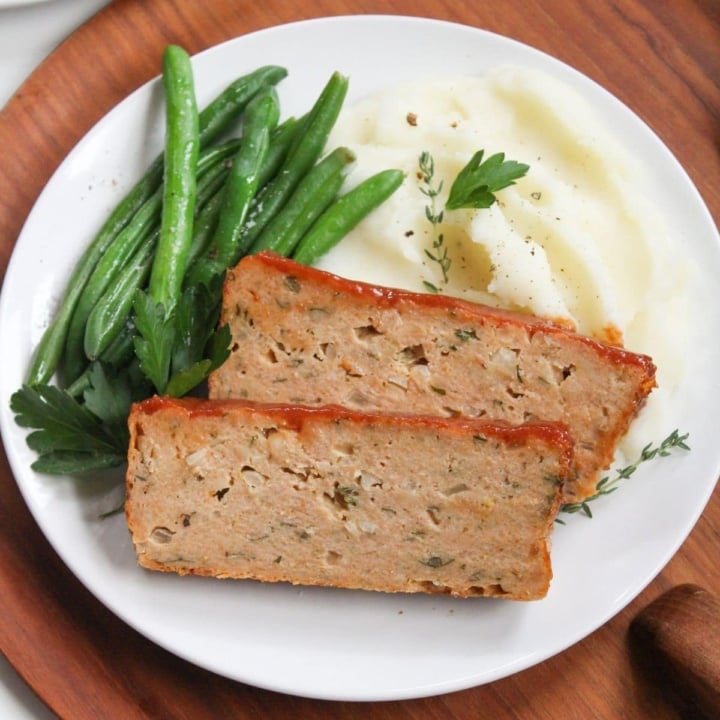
(658, 57)
(680, 631)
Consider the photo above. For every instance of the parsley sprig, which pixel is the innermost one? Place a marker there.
(67, 435)
(477, 183)
(178, 350)
(607, 485)
(76, 433)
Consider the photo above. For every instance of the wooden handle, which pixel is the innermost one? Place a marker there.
(682, 631)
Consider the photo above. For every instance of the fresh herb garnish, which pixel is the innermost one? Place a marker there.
(477, 183)
(608, 485)
(474, 187)
(178, 350)
(153, 344)
(74, 434)
(431, 191)
(67, 436)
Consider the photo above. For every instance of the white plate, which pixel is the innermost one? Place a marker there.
(340, 644)
(18, 3)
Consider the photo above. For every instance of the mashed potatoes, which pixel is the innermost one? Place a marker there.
(575, 240)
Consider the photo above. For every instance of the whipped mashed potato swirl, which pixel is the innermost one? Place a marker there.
(576, 240)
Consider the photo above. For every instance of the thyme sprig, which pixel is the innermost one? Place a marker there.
(607, 485)
(439, 253)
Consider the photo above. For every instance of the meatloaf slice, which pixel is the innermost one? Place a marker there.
(305, 336)
(335, 497)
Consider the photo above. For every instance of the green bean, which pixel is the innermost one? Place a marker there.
(47, 354)
(206, 221)
(119, 354)
(103, 274)
(280, 141)
(261, 117)
(121, 350)
(122, 249)
(305, 153)
(210, 158)
(211, 182)
(207, 211)
(207, 217)
(345, 213)
(311, 196)
(203, 229)
(112, 310)
(179, 186)
(80, 385)
(224, 110)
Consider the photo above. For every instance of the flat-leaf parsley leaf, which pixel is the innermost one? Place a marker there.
(477, 183)
(67, 436)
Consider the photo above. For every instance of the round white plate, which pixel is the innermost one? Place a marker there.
(340, 644)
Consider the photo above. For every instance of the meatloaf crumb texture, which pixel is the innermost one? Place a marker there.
(329, 496)
(304, 336)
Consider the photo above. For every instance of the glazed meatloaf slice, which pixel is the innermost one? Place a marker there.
(305, 336)
(334, 497)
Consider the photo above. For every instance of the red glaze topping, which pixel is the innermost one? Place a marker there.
(294, 416)
(393, 297)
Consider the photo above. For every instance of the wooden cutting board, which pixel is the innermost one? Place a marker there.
(660, 58)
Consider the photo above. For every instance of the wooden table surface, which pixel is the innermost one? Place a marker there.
(658, 56)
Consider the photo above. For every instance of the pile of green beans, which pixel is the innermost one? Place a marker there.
(203, 204)
(214, 121)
